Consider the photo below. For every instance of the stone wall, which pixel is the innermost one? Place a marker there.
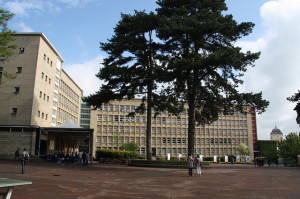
(13, 138)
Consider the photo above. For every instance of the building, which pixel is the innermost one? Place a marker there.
(39, 99)
(42, 93)
(85, 114)
(276, 134)
(169, 133)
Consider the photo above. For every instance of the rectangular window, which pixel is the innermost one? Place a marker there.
(41, 93)
(51, 63)
(19, 69)
(39, 113)
(14, 111)
(46, 116)
(42, 75)
(17, 90)
(49, 80)
(22, 50)
(44, 56)
(48, 98)
(46, 78)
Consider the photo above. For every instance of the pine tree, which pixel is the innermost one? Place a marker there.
(204, 64)
(131, 69)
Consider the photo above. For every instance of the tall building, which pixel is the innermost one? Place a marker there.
(42, 93)
(169, 133)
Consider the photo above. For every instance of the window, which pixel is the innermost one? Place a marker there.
(44, 96)
(42, 75)
(22, 50)
(39, 113)
(44, 56)
(48, 60)
(48, 98)
(17, 89)
(19, 69)
(46, 78)
(41, 93)
(1, 70)
(42, 115)
(51, 63)
(49, 80)
(14, 111)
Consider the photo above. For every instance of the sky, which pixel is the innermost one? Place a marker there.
(75, 28)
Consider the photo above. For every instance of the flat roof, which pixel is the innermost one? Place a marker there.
(44, 37)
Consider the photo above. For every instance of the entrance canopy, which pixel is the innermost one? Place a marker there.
(65, 138)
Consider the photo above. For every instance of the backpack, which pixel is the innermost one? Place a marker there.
(26, 156)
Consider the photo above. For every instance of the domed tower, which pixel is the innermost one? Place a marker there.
(276, 134)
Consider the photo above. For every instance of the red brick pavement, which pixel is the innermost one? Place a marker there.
(50, 180)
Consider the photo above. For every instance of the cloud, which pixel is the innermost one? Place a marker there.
(277, 71)
(84, 75)
(21, 8)
(25, 7)
(24, 28)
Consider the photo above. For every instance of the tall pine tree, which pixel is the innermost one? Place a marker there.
(204, 64)
(131, 69)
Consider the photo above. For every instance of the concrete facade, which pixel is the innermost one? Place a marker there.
(32, 97)
(169, 133)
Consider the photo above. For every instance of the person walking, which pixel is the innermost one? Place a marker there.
(198, 165)
(25, 159)
(80, 158)
(191, 165)
(17, 154)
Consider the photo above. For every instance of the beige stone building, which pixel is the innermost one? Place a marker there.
(112, 127)
(42, 93)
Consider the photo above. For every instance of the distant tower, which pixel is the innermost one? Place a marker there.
(276, 134)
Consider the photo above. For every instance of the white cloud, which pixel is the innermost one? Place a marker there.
(25, 7)
(84, 75)
(21, 8)
(277, 71)
(24, 28)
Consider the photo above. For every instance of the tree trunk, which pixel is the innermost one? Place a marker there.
(191, 127)
(148, 130)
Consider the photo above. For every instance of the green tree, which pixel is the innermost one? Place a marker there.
(204, 65)
(290, 146)
(130, 147)
(6, 48)
(131, 68)
(243, 149)
(296, 98)
(267, 148)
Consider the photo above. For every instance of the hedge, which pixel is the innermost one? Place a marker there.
(115, 154)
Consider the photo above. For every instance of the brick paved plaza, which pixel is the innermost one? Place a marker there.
(50, 180)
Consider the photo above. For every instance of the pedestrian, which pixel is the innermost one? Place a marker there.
(191, 165)
(80, 158)
(87, 159)
(17, 154)
(25, 159)
(232, 160)
(255, 162)
(198, 165)
(84, 158)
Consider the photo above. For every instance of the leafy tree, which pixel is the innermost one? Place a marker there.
(296, 98)
(243, 149)
(267, 148)
(130, 146)
(204, 65)
(290, 147)
(131, 68)
(6, 48)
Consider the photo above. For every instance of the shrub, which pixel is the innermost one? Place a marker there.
(115, 154)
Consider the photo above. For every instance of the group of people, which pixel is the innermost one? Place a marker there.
(24, 157)
(83, 158)
(198, 164)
